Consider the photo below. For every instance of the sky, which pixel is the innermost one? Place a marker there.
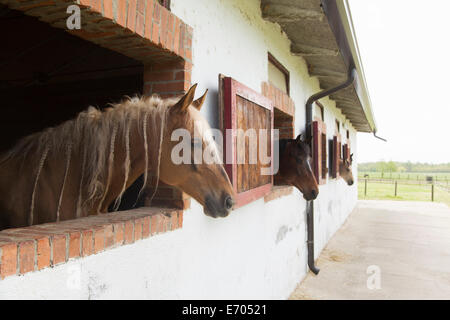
(405, 51)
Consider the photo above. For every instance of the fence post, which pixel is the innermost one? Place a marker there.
(395, 187)
(365, 187)
(432, 192)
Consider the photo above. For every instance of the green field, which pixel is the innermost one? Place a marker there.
(408, 192)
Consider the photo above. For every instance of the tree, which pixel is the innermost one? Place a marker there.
(391, 166)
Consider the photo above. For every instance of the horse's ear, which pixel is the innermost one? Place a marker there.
(199, 102)
(186, 100)
(351, 158)
(299, 139)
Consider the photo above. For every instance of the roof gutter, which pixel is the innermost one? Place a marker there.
(341, 23)
(375, 135)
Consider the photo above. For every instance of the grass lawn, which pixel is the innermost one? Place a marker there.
(385, 191)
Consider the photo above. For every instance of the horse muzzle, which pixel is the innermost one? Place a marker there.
(310, 195)
(216, 208)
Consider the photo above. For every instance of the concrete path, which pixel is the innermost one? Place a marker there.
(385, 250)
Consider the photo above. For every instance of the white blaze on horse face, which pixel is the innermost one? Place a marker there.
(214, 148)
(203, 135)
(308, 164)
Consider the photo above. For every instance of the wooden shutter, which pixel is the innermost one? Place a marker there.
(336, 156)
(243, 108)
(320, 151)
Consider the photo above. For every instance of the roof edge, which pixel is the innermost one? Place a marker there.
(352, 43)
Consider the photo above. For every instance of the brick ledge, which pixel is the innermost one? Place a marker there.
(37, 247)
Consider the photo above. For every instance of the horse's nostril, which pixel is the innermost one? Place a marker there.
(314, 193)
(229, 203)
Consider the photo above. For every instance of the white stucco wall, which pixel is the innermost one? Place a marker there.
(259, 251)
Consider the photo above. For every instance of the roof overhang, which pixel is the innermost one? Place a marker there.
(322, 32)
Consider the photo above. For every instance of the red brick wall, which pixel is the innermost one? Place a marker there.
(283, 112)
(141, 29)
(167, 79)
(34, 248)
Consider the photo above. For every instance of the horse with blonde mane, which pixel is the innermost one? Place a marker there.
(345, 170)
(84, 165)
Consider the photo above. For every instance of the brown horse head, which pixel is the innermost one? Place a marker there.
(295, 167)
(206, 181)
(345, 170)
(84, 166)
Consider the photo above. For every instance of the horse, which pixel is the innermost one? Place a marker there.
(345, 170)
(84, 165)
(295, 167)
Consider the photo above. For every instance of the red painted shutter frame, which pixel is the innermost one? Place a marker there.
(231, 89)
(336, 156)
(339, 153)
(319, 128)
(316, 150)
(323, 147)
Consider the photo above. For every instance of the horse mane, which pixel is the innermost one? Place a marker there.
(92, 135)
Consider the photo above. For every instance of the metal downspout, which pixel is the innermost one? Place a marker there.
(375, 135)
(310, 204)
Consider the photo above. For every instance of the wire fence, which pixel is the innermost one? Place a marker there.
(407, 176)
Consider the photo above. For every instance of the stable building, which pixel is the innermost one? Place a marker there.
(274, 64)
